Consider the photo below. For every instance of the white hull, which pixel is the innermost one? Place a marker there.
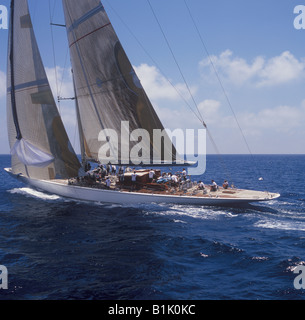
(131, 198)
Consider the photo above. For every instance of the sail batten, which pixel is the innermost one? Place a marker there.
(39, 144)
(108, 90)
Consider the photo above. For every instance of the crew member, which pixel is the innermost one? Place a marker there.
(151, 175)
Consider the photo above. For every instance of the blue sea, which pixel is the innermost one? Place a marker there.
(58, 249)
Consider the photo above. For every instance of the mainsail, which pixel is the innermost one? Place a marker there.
(39, 144)
(109, 93)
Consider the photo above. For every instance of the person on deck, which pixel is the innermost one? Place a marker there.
(201, 185)
(151, 175)
(214, 186)
(121, 173)
(113, 167)
(108, 183)
(133, 180)
(108, 169)
(225, 184)
(174, 180)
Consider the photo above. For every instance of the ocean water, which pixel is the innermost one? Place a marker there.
(57, 248)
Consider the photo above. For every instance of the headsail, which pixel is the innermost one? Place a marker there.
(109, 93)
(39, 144)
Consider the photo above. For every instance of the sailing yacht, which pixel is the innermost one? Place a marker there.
(108, 94)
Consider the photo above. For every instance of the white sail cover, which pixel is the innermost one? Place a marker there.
(110, 95)
(29, 155)
(39, 144)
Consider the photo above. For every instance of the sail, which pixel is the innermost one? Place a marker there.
(110, 96)
(39, 144)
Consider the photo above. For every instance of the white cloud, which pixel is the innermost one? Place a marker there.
(260, 72)
(271, 130)
(64, 84)
(158, 87)
(68, 114)
(236, 70)
(209, 110)
(280, 120)
(281, 69)
(2, 84)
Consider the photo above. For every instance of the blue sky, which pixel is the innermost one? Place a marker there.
(258, 54)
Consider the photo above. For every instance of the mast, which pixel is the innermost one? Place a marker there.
(11, 57)
(80, 129)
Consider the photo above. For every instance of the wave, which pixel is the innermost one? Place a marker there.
(35, 194)
(195, 212)
(281, 225)
(32, 193)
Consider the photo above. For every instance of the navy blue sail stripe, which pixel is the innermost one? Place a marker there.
(27, 85)
(86, 16)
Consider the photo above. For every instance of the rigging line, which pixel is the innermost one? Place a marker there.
(178, 66)
(222, 161)
(54, 56)
(54, 9)
(200, 117)
(217, 76)
(154, 62)
(63, 75)
(74, 137)
(221, 85)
